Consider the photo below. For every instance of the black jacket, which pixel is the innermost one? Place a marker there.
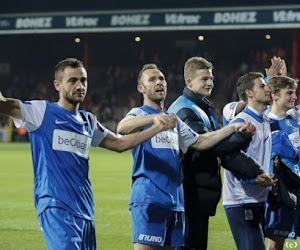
(201, 170)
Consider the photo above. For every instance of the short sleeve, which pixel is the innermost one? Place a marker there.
(295, 113)
(229, 112)
(136, 112)
(33, 114)
(187, 136)
(100, 132)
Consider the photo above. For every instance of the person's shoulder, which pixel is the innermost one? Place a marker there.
(229, 108)
(137, 111)
(185, 113)
(240, 117)
(229, 111)
(35, 102)
(295, 112)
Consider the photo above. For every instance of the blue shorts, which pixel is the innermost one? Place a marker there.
(283, 222)
(246, 224)
(63, 230)
(154, 225)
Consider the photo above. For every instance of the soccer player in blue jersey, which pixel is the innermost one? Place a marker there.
(61, 136)
(243, 200)
(156, 201)
(283, 222)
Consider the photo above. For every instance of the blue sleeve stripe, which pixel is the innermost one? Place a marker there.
(238, 120)
(247, 181)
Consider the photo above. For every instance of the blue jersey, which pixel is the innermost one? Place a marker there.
(60, 143)
(284, 222)
(156, 172)
(286, 140)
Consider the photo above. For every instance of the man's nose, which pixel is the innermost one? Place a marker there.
(267, 89)
(159, 82)
(79, 85)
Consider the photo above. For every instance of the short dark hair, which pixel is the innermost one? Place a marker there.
(145, 67)
(68, 62)
(247, 82)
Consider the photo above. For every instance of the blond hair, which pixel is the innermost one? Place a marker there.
(193, 64)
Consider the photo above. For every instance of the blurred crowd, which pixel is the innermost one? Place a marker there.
(112, 87)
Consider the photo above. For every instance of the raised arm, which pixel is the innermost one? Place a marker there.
(123, 143)
(276, 64)
(209, 140)
(10, 106)
(133, 124)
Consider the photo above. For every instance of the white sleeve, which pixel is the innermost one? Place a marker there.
(136, 112)
(187, 136)
(229, 111)
(295, 113)
(33, 114)
(100, 132)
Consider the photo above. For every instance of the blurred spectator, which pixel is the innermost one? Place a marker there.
(113, 85)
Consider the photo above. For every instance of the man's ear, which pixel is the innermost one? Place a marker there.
(140, 88)
(57, 85)
(275, 97)
(188, 83)
(249, 93)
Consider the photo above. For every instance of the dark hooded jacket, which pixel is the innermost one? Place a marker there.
(201, 170)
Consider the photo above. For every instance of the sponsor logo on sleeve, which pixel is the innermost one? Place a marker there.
(71, 142)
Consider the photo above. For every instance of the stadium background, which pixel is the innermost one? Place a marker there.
(113, 60)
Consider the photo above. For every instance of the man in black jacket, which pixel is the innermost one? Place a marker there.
(201, 170)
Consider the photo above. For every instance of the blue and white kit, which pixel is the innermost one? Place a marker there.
(156, 166)
(60, 143)
(284, 222)
(156, 200)
(243, 200)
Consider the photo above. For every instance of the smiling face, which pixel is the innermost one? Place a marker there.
(285, 98)
(283, 91)
(202, 83)
(72, 86)
(153, 87)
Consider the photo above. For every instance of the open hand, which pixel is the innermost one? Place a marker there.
(276, 63)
